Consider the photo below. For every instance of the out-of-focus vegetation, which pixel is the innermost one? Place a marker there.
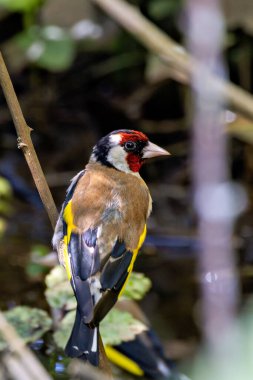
(34, 268)
(117, 326)
(30, 323)
(52, 41)
(5, 203)
(233, 357)
(23, 6)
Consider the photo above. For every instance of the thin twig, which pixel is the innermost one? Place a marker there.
(79, 371)
(27, 362)
(183, 64)
(25, 143)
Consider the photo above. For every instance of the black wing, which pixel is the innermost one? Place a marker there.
(58, 232)
(113, 277)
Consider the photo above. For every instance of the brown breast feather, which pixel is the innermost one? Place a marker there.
(116, 201)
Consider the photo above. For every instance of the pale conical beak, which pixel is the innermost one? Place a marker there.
(153, 150)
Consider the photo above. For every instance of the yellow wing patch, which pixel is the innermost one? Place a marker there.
(66, 258)
(68, 218)
(135, 252)
(123, 361)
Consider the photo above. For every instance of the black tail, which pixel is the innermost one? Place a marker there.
(83, 342)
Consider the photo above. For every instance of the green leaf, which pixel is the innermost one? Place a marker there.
(61, 296)
(137, 286)
(49, 47)
(56, 276)
(5, 207)
(2, 227)
(30, 323)
(63, 332)
(39, 250)
(33, 268)
(120, 326)
(59, 293)
(5, 204)
(5, 196)
(160, 9)
(5, 188)
(20, 5)
(116, 327)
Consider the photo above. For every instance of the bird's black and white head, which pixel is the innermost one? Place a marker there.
(125, 150)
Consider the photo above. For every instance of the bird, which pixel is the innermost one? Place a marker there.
(100, 229)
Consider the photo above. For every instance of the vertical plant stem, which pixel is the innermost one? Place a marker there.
(213, 191)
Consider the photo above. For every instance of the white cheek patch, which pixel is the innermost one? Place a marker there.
(117, 157)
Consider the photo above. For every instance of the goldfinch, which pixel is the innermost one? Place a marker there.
(100, 230)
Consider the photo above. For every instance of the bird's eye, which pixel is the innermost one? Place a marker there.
(130, 145)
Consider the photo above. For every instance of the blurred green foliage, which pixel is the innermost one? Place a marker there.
(137, 286)
(120, 326)
(159, 9)
(116, 327)
(30, 323)
(230, 356)
(49, 47)
(20, 5)
(5, 203)
(59, 293)
(34, 269)
(62, 334)
(53, 47)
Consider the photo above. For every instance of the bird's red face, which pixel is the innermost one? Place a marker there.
(126, 150)
(133, 144)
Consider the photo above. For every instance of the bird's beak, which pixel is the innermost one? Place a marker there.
(153, 150)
